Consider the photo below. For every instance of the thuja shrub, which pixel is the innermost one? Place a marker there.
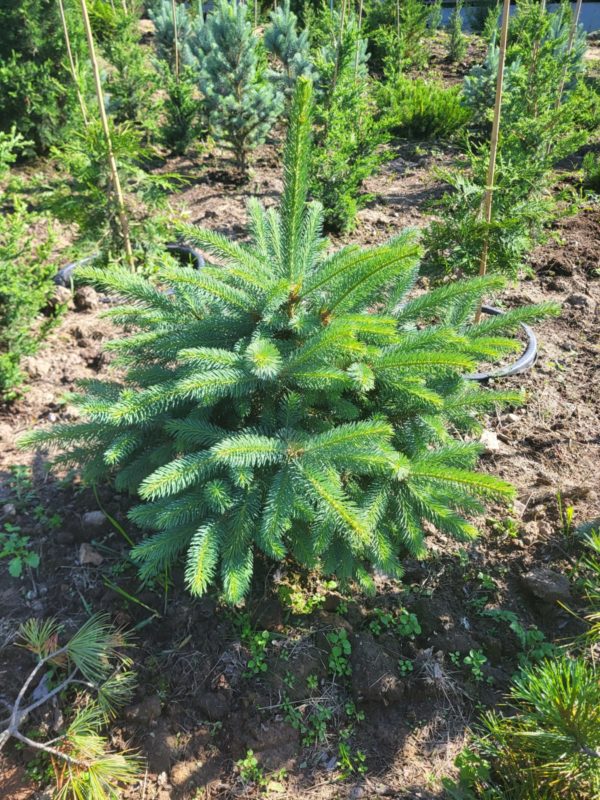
(35, 84)
(289, 401)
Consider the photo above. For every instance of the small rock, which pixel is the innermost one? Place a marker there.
(62, 296)
(94, 519)
(213, 705)
(86, 299)
(490, 442)
(88, 555)
(9, 511)
(547, 585)
(579, 300)
(146, 711)
(519, 508)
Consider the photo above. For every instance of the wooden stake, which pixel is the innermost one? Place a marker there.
(63, 19)
(489, 187)
(360, 16)
(112, 164)
(175, 37)
(570, 44)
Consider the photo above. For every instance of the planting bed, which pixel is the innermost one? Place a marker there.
(198, 710)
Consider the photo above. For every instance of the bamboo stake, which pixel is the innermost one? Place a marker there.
(112, 164)
(80, 99)
(570, 44)
(175, 37)
(360, 16)
(489, 188)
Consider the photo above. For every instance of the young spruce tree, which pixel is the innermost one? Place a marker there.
(289, 400)
(241, 106)
(290, 48)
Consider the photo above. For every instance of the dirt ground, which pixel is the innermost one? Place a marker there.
(197, 711)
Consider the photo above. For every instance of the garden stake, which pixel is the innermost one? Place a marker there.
(111, 156)
(570, 43)
(489, 188)
(175, 37)
(360, 16)
(72, 62)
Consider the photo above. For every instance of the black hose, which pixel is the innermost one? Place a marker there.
(64, 276)
(526, 360)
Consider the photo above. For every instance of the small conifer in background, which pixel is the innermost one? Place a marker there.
(241, 105)
(290, 48)
(290, 401)
(457, 41)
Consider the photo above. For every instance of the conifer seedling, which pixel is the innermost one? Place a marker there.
(289, 400)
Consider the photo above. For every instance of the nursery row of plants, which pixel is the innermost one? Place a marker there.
(287, 399)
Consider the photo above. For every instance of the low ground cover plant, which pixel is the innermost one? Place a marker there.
(264, 408)
(421, 109)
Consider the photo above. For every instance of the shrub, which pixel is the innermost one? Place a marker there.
(348, 143)
(399, 31)
(131, 81)
(25, 279)
(457, 41)
(479, 85)
(241, 106)
(290, 48)
(35, 85)
(25, 287)
(266, 405)
(82, 193)
(161, 15)
(421, 109)
(548, 748)
(182, 123)
(591, 171)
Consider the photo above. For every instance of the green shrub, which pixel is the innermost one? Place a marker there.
(161, 14)
(457, 41)
(290, 48)
(421, 109)
(398, 31)
(25, 288)
(35, 85)
(348, 142)
(241, 105)
(548, 748)
(131, 82)
(81, 192)
(266, 406)
(25, 277)
(182, 123)
(591, 171)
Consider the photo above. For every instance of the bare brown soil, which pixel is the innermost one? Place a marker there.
(197, 712)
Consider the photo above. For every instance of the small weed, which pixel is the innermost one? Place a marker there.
(350, 764)
(454, 657)
(566, 515)
(258, 644)
(16, 549)
(341, 648)
(312, 683)
(407, 624)
(475, 660)
(488, 583)
(250, 770)
(405, 666)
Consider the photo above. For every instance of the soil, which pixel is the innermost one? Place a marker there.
(197, 711)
